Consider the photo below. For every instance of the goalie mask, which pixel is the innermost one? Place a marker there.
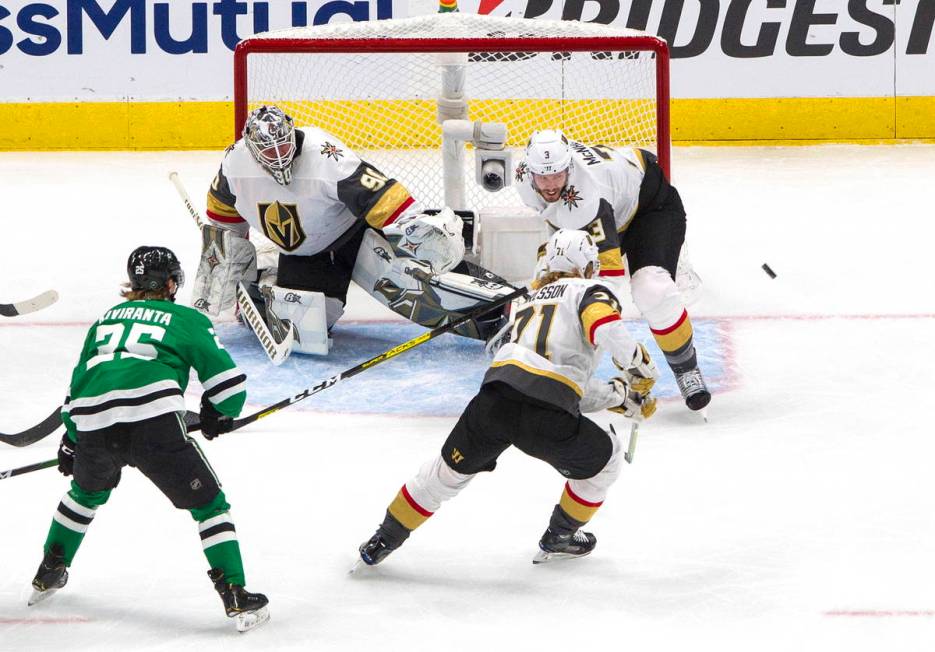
(548, 159)
(571, 251)
(150, 268)
(270, 137)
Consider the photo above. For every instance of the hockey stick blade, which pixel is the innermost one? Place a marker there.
(31, 435)
(631, 446)
(38, 302)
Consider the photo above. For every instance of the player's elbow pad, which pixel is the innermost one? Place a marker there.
(614, 338)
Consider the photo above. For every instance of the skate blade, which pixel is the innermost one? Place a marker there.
(39, 596)
(360, 563)
(543, 557)
(251, 619)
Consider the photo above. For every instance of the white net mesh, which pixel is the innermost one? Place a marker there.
(384, 105)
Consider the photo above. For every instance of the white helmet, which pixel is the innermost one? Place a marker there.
(547, 152)
(570, 250)
(270, 137)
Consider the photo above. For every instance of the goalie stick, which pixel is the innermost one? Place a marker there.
(38, 302)
(193, 425)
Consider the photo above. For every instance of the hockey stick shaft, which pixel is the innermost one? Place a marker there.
(38, 466)
(372, 362)
(177, 182)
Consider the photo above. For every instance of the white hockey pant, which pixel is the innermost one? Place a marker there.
(656, 297)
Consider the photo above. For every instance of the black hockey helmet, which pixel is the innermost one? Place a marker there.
(150, 268)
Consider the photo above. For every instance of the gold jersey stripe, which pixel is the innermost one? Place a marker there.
(215, 205)
(640, 157)
(541, 372)
(387, 206)
(611, 260)
(594, 313)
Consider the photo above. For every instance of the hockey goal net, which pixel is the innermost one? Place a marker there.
(385, 87)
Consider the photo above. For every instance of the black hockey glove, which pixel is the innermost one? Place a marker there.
(213, 423)
(66, 455)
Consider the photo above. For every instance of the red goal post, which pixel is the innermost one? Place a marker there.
(377, 87)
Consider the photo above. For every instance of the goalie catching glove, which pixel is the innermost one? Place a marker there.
(434, 240)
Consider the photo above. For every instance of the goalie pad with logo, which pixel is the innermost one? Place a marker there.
(409, 288)
(227, 258)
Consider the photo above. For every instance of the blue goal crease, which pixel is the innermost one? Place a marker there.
(437, 378)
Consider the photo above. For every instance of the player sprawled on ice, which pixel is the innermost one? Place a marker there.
(125, 407)
(623, 199)
(332, 217)
(532, 397)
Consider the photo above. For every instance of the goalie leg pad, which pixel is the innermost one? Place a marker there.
(403, 285)
(227, 258)
(308, 313)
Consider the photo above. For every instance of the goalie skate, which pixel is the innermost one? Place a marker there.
(564, 545)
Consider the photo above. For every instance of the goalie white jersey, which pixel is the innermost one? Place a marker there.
(552, 353)
(331, 189)
(601, 197)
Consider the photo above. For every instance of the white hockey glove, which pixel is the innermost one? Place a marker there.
(434, 240)
(633, 404)
(640, 373)
(227, 258)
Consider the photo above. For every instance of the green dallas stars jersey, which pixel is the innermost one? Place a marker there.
(135, 365)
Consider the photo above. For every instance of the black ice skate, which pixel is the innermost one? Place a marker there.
(249, 610)
(693, 389)
(558, 544)
(374, 550)
(51, 576)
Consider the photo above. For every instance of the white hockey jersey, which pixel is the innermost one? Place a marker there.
(552, 352)
(331, 189)
(601, 197)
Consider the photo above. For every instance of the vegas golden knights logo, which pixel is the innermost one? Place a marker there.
(456, 456)
(281, 224)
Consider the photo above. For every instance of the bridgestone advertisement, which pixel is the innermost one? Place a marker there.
(140, 50)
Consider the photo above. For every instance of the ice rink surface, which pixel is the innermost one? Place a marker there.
(800, 517)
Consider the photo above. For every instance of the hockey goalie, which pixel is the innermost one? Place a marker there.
(332, 218)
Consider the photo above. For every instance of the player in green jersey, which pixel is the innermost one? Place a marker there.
(125, 407)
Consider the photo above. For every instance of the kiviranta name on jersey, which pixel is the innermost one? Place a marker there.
(139, 314)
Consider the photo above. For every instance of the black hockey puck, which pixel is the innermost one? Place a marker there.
(769, 271)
